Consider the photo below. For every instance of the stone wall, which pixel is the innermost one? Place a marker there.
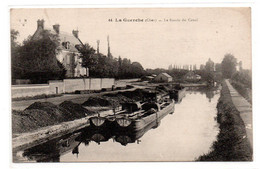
(62, 86)
(106, 82)
(95, 84)
(71, 85)
(56, 87)
(29, 90)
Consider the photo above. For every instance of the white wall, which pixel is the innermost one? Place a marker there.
(62, 86)
(29, 90)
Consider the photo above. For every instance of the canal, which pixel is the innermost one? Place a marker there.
(181, 136)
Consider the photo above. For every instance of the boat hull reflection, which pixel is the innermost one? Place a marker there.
(52, 150)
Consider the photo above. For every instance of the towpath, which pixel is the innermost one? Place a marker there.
(76, 98)
(245, 109)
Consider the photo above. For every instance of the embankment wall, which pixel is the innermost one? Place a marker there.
(61, 86)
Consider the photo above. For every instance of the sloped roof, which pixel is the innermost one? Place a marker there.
(63, 36)
(66, 37)
(166, 74)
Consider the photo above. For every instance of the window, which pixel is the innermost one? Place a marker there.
(66, 45)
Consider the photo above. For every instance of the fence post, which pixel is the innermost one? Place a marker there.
(101, 83)
(89, 83)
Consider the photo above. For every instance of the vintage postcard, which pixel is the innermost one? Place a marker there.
(131, 84)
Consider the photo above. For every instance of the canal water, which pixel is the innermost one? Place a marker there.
(181, 136)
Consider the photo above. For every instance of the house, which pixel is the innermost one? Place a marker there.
(68, 54)
(191, 76)
(147, 78)
(163, 77)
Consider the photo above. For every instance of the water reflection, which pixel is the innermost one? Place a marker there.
(209, 92)
(51, 151)
(181, 136)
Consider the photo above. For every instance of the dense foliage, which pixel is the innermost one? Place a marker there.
(243, 77)
(36, 59)
(100, 65)
(228, 65)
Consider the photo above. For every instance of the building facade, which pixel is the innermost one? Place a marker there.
(163, 77)
(67, 53)
(191, 76)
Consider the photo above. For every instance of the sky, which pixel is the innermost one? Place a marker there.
(161, 37)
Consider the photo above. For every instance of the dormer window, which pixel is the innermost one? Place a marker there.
(66, 45)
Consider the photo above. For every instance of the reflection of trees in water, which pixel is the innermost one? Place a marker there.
(209, 94)
(43, 153)
(208, 91)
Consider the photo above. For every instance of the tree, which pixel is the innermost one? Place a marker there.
(108, 66)
(37, 59)
(137, 69)
(209, 65)
(89, 60)
(218, 67)
(14, 34)
(228, 65)
(14, 54)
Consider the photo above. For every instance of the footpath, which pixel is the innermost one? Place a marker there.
(245, 109)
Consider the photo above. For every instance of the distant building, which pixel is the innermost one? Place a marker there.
(163, 77)
(69, 56)
(147, 78)
(209, 66)
(191, 76)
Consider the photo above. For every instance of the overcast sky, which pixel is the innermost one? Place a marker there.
(206, 33)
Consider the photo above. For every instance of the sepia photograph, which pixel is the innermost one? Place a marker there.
(131, 84)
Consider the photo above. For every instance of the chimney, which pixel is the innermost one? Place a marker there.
(75, 33)
(56, 28)
(40, 24)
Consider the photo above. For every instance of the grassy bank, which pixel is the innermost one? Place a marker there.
(231, 144)
(243, 90)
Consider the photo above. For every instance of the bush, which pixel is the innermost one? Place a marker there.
(242, 90)
(244, 77)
